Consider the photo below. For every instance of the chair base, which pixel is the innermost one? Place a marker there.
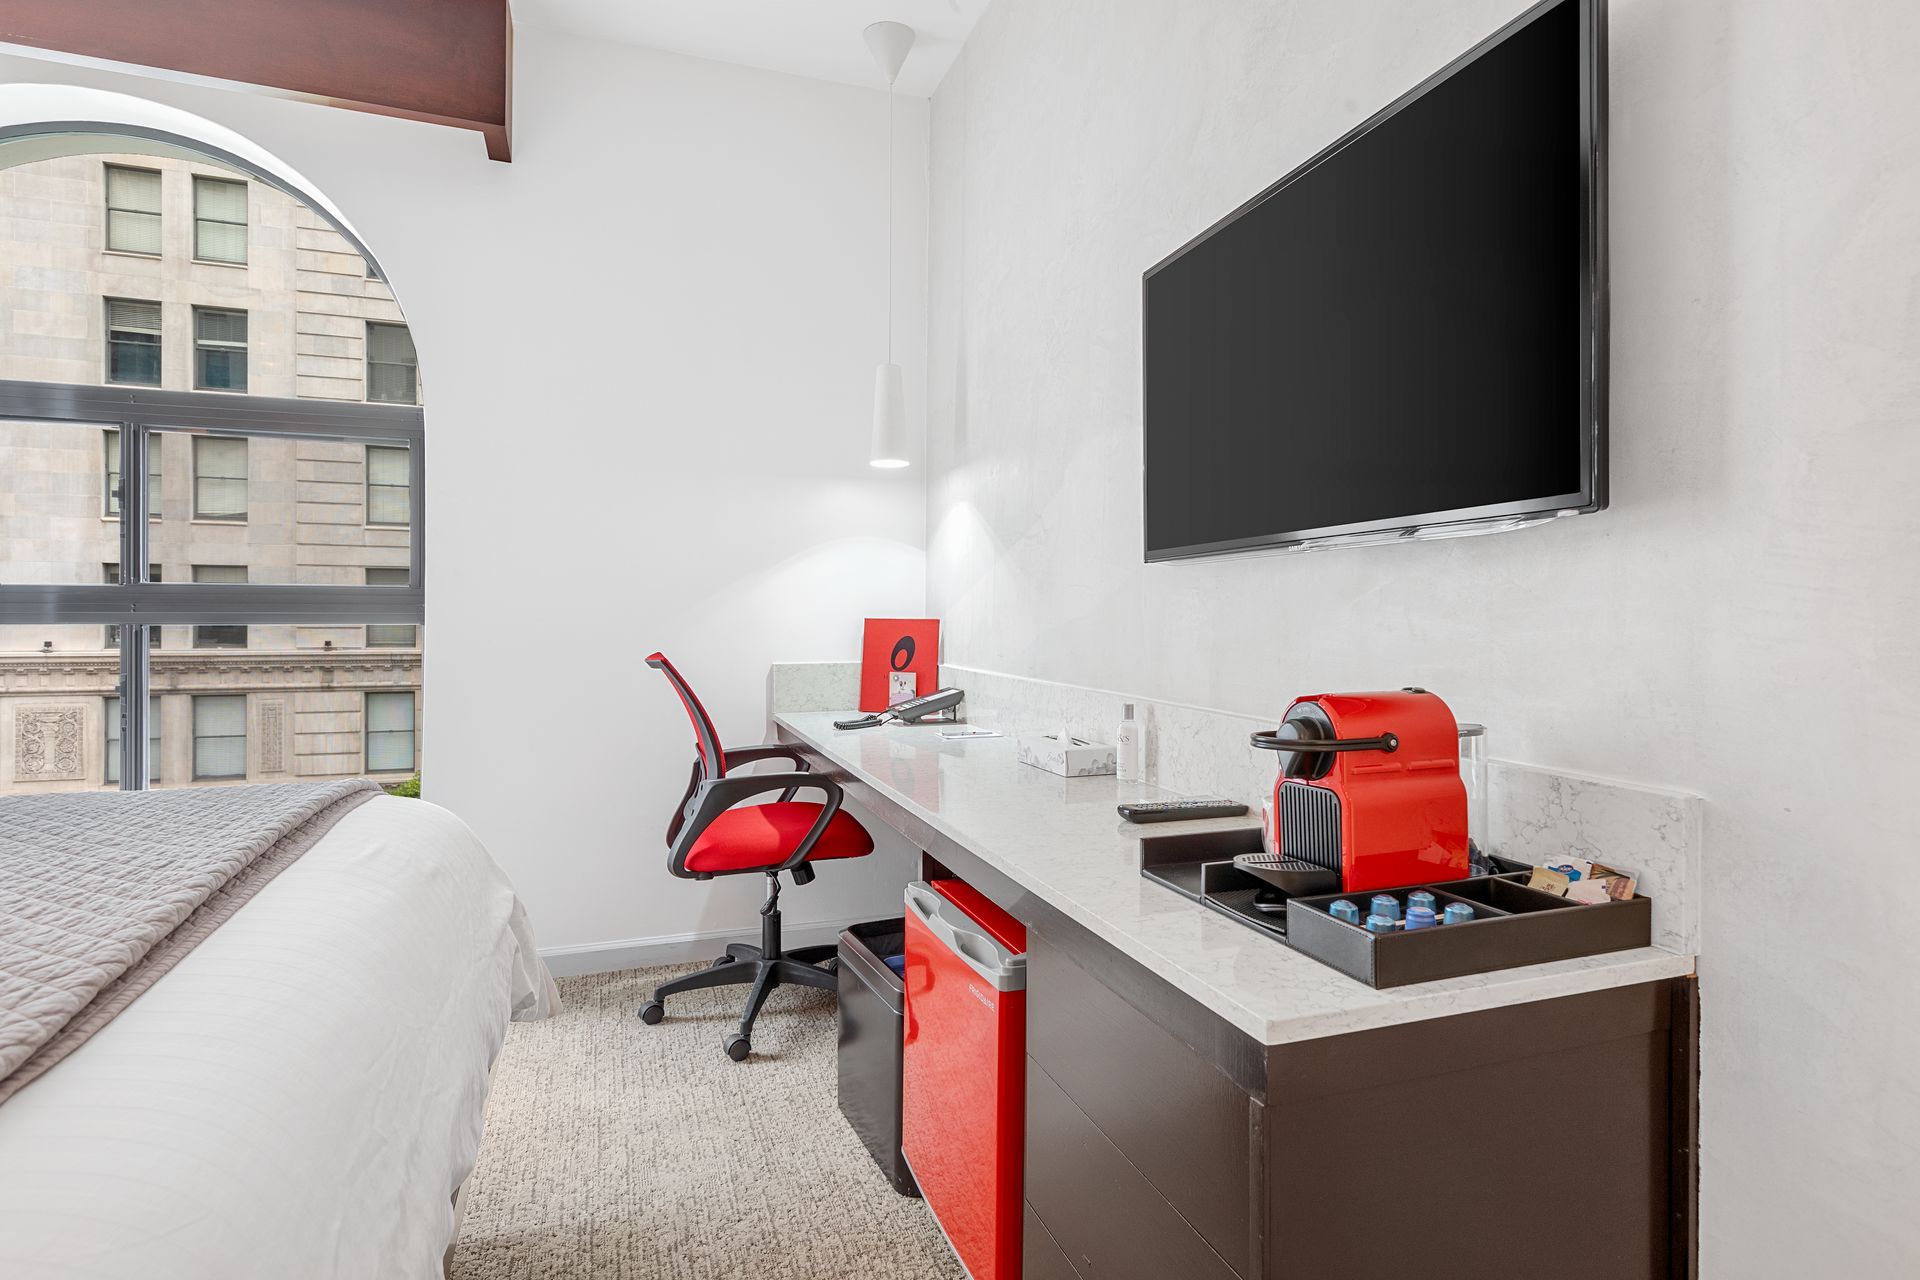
(759, 968)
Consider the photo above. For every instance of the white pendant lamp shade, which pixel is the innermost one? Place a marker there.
(889, 417)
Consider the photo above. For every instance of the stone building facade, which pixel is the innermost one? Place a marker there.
(160, 272)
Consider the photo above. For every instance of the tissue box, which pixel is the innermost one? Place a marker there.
(1068, 757)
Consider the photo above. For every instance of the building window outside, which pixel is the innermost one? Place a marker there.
(111, 494)
(387, 500)
(223, 635)
(389, 732)
(219, 220)
(220, 478)
(390, 635)
(110, 574)
(133, 342)
(112, 772)
(133, 210)
(220, 735)
(393, 370)
(219, 349)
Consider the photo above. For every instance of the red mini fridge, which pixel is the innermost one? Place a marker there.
(964, 1070)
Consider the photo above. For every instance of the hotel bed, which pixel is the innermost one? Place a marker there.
(301, 1095)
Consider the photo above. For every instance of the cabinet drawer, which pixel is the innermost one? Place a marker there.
(1181, 1123)
(1040, 1257)
(1103, 1214)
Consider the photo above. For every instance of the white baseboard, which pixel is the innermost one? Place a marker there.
(679, 948)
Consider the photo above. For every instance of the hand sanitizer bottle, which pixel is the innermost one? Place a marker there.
(1129, 750)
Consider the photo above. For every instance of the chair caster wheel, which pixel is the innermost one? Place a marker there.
(723, 960)
(737, 1046)
(652, 1012)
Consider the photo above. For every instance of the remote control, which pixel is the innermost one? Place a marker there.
(1179, 810)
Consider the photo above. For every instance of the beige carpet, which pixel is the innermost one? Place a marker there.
(619, 1151)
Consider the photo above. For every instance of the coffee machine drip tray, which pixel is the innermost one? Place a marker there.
(1199, 865)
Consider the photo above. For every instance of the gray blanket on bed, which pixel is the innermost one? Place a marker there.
(101, 893)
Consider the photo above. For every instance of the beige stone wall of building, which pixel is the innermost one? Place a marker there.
(308, 301)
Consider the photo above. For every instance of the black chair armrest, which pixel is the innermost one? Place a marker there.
(767, 751)
(718, 795)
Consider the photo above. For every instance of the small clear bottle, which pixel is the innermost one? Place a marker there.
(1129, 749)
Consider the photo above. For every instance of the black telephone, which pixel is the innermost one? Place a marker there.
(911, 711)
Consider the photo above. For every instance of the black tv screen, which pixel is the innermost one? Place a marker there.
(1405, 335)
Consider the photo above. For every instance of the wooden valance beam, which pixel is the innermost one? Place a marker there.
(442, 61)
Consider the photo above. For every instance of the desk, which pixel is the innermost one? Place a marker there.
(1203, 1101)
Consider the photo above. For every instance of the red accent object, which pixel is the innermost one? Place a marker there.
(765, 835)
(1403, 813)
(963, 1086)
(706, 739)
(898, 644)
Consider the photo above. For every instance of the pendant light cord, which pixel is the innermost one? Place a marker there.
(889, 221)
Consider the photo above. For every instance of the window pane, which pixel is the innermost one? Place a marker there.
(133, 210)
(387, 500)
(296, 513)
(133, 315)
(390, 635)
(137, 189)
(219, 369)
(220, 220)
(392, 367)
(110, 471)
(220, 736)
(224, 635)
(133, 342)
(212, 324)
(133, 232)
(389, 732)
(220, 349)
(52, 482)
(219, 198)
(219, 478)
(111, 760)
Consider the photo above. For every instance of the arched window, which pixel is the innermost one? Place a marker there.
(211, 453)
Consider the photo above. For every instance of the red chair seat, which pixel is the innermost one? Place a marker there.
(765, 835)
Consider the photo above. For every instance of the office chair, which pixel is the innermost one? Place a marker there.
(709, 837)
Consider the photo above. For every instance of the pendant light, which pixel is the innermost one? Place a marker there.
(890, 43)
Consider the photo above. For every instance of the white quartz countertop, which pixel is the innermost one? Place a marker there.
(1061, 839)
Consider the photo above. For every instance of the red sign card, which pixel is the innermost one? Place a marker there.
(903, 645)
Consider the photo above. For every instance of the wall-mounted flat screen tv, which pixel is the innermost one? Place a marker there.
(1405, 336)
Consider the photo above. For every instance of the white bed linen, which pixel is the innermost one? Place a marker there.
(303, 1093)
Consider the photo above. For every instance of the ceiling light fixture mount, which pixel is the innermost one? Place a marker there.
(889, 42)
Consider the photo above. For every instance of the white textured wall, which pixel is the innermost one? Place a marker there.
(648, 345)
(1758, 575)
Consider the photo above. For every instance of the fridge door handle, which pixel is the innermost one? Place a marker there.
(1005, 969)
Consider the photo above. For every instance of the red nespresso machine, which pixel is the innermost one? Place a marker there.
(1369, 795)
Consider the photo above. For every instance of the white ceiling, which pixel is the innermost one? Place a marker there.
(818, 38)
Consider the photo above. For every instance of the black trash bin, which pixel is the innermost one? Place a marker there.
(872, 1010)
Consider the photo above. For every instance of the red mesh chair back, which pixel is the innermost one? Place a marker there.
(705, 739)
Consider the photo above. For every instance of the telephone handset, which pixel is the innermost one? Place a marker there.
(909, 712)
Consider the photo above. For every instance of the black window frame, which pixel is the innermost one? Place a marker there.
(141, 414)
